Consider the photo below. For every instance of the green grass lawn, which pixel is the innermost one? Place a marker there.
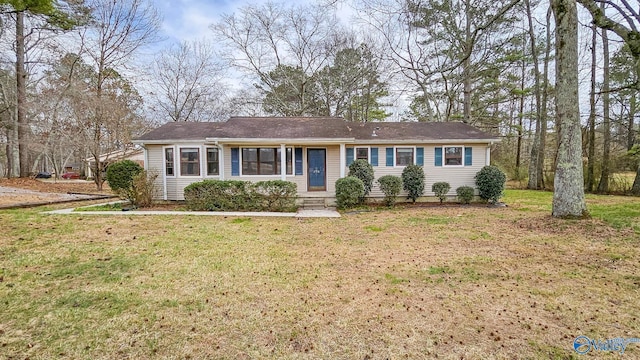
(456, 282)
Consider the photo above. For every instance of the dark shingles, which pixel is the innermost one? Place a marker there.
(285, 128)
(314, 128)
(417, 131)
(183, 131)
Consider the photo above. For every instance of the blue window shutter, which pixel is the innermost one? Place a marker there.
(349, 156)
(374, 156)
(420, 156)
(468, 156)
(298, 155)
(235, 162)
(438, 156)
(389, 156)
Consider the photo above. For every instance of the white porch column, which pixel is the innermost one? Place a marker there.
(488, 156)
(221, 161)
(343, 159)
(283, 162)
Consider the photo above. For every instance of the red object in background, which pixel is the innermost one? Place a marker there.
(71, 175)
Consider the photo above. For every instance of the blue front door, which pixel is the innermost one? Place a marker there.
(316, 168)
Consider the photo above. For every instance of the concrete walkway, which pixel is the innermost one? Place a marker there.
(326, 213)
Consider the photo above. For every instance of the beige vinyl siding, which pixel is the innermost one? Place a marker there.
(174, 185)
(455, 176)
(156, 163)
(332, 170)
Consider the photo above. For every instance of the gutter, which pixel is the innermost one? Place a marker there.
(278, 141)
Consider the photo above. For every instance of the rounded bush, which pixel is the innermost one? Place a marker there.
(120, 174)
(490, 183)
(390, 186)
(363, 171)
(465, 194)
(441, 189)
(349, 191)
(413, 181)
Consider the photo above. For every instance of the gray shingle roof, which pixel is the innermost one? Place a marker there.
(183, 131)
(313, 128)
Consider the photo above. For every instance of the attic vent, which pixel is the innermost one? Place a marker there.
(374, 131)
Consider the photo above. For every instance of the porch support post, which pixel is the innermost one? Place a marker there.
(221, 161)
(283, 162)
(488, 156)
(343, 160)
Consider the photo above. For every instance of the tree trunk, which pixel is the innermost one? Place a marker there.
(466, 66)
(545, 102)
(13, 160)
(21, 76)
(520, 117)
(568, 194)
(635, 189)
(603, 186)
(631, 133)
(534, 173)
(591, 152)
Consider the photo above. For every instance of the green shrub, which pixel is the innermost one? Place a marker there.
(465, 194)
(390, 186)
(276, 195)
(236, 195)
(143, 189)
(413, 181)
(120, 177)
(490, 183)
(349, 192)
(120, 174)
(363, 171)
(441, 189)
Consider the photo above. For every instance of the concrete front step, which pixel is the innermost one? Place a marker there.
(313, 204)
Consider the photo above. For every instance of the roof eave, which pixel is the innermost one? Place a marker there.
(428, 141)
(302, 141)
(170, 141)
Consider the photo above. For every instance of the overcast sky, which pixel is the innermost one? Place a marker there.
(190, 19)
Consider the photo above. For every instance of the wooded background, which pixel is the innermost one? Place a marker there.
(557, 81)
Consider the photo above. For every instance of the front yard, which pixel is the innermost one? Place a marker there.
(451, 282)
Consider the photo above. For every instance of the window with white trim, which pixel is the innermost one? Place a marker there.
(362, 153)
(213, 161)
(189, 161)
(453, 156)
(404, 156)
(169, 163)
(265, 161)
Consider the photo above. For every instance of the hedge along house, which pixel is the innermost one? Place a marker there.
(312, 152)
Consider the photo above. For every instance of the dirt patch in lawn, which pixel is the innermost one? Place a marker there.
(20, 191)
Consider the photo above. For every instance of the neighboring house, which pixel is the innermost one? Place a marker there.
(135, 154)
(311, 152)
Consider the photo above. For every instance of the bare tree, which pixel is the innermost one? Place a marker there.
(536, 160)
(623, 20)
(117, 30)
(441, 45)
(294, 41)
(603, 186)
(188, 83)
(591, 134)
(8, 122)
(568, 194)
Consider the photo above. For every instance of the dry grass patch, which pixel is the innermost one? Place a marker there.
(468, 282)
